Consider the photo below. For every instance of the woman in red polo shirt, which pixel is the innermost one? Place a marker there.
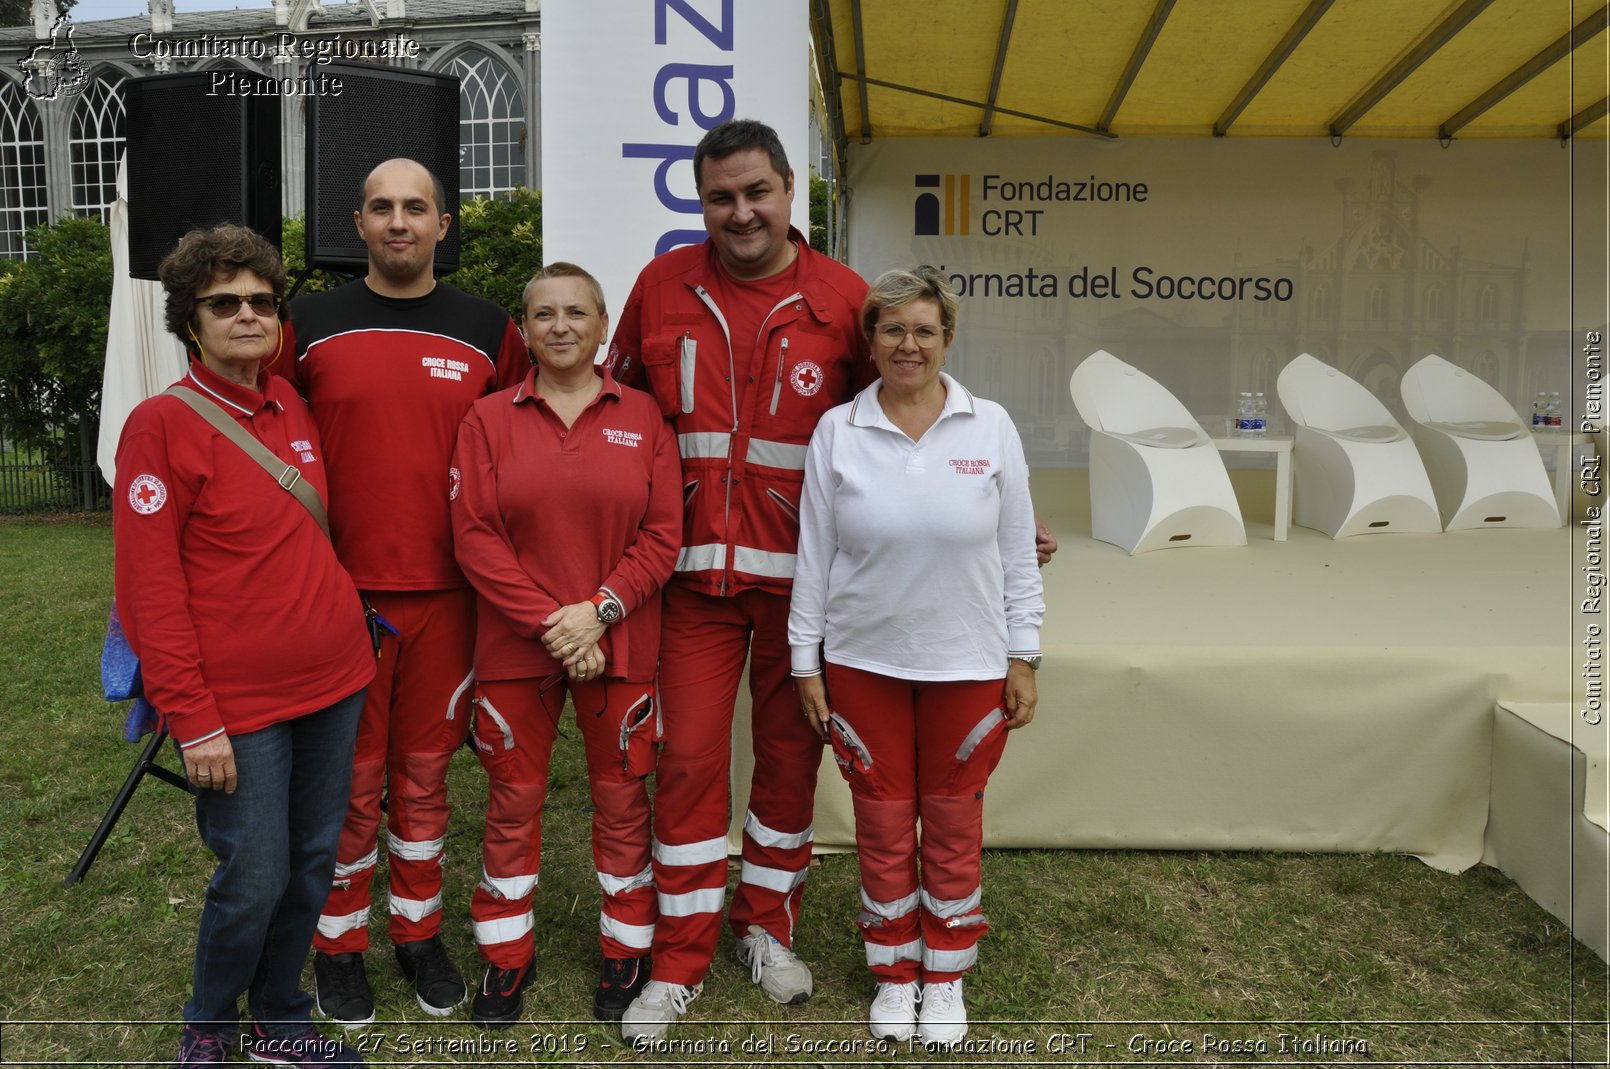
(567, 514)
(251, 643)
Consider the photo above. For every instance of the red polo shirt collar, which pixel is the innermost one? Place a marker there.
(232, 395)
(528, 389)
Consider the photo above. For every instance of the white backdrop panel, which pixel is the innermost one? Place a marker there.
(1211, 263)
(628, 89)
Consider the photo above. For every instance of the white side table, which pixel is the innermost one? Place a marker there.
(1280, 446)
(1564, 444)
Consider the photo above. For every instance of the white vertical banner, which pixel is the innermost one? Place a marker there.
(628, 89)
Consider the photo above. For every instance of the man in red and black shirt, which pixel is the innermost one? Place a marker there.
(389, 364)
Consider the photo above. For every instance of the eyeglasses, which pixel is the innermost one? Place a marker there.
(227, 305)
(925, 335)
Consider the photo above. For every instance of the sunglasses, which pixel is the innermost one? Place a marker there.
(227, 305)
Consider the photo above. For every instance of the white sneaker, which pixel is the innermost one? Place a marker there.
(651, 1013)
(777, 970)
(894, 1011)
(943, 1021)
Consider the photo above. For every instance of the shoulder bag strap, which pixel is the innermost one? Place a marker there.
(286, 475)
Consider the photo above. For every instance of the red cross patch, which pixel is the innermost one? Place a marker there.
(806, 378)
(147, 494)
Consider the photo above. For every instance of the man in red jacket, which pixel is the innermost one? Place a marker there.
(389, 364)
(745, 340)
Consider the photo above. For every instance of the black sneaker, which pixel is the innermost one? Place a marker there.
(498, 1001)
(438, 985)
(341, 989)
(618, 984)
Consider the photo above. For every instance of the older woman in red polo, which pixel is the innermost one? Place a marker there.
(251, 641)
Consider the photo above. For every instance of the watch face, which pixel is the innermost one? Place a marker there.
(609, 612)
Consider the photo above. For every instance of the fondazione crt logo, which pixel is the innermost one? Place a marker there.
(1007, 206)
(52, 69)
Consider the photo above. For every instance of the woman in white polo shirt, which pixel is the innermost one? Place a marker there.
(915, 627)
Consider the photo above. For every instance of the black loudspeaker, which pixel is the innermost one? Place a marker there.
(196, 160)
(380, 113)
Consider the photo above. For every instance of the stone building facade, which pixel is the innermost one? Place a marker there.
(62, 114)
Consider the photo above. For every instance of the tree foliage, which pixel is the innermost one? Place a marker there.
(821, 209)
(53, 314)
(501, 247)
(293, 251)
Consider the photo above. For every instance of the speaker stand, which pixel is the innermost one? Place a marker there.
(145, 763)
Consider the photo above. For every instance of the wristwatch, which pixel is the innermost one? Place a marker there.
(1032, 662)
(608, 606)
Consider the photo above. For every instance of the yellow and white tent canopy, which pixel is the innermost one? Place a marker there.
(1236, 68)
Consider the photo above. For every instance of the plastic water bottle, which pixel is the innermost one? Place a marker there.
(1540, 415)
(1260, 414)
(1244, 416)
(1555, 412)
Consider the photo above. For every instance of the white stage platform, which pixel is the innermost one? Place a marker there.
(1301, 695)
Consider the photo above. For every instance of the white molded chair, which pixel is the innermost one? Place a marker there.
(1484, 467)
(1156, 481)
(1355, 469)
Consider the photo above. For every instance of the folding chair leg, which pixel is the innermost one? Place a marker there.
(146, 762)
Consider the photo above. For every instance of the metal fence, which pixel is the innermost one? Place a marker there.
(60, 478)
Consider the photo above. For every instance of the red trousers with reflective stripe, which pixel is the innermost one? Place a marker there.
(516, 722)
(415, 715)
(705, 642)
(915, 751)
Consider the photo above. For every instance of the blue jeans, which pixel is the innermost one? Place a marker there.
(275, 840)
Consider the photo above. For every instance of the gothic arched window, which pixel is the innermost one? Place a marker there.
(1378, 306)
(1434, 303)
(22, 169)
(491, 122)
(95, 143)
(1487, 304)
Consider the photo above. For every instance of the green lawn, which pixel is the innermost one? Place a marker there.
(1153, 957)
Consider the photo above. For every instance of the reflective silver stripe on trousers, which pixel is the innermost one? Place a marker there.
(502, 930)
(704, 900)
(497, 718)
(775, 454)
(414, 909)
(335, 927)
(773, 839)
(951, 907)
(615, 885)
(949, 960)
(414, 850)
(780, 880)
(452, 703)
(704, 445)
(367, 861)
(636, 936)
(889, 910)
(700, 853)
(508, 887)
(976, 736)
(878, 954)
